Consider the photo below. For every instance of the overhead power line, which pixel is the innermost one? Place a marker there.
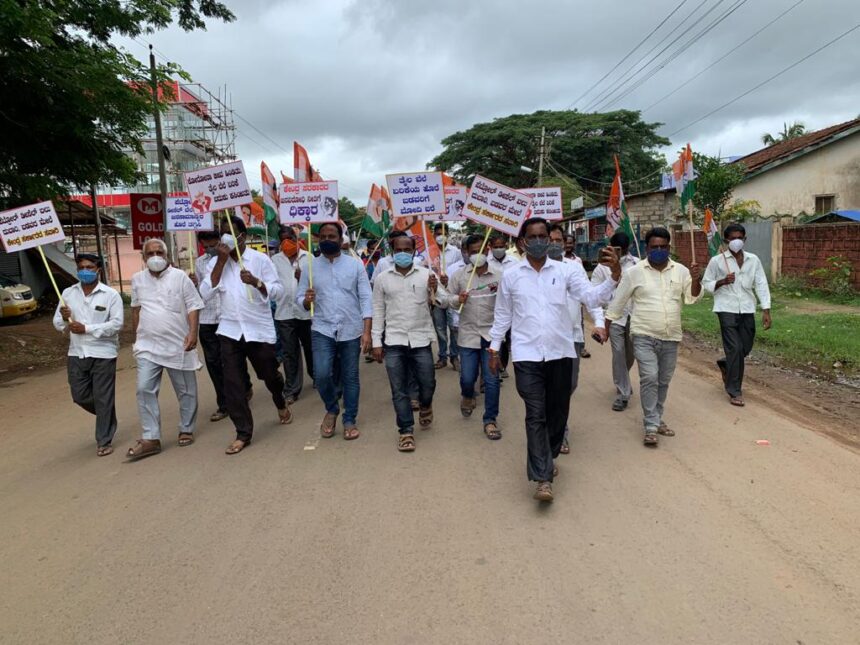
(769, 79)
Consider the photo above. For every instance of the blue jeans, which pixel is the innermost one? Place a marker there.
(336, 371)
(440, 323)
(469, 359)
(402, 364)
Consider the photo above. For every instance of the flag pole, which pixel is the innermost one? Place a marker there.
(692, 231)
(51, 276)
(475, 268)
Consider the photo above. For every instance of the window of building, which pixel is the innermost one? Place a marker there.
(824, 204)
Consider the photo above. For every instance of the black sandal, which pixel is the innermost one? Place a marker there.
(492, 431)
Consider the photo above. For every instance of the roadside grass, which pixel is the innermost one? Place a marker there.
(827, 341)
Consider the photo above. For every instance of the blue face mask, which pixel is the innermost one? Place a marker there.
(329, 247)
(87, 276)
(402, 259)
(658, 256)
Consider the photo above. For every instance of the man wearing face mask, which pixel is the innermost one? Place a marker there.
(500, 260)
(165, 309)
(736, 277)
(209, 318)
(473, 335)
(443, 321)
(292, 320)
(533, 303)
(247, 330)
(93, 318)
(658, 288)
(401, 314)
(340, 327)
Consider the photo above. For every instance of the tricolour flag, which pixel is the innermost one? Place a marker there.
(270, 193)
(685, 176)
(712, 232)
(302, 169)
(616, 209)
(376, 220)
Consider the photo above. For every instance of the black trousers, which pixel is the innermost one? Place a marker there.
(545, 388)
(234, 353)
(211, 344)
(738, 332)
(295, 338)
(505, 351)
(92, 382)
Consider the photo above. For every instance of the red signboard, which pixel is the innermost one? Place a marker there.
(147, 219)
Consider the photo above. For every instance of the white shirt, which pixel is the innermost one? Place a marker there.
(575, 304)
(241, 316)
(211, 312)
(401, 308)
(101, 314)
(602, 273)
(165, 302)
(534, 306)
(452, 254)
(287, 307)
(506, 263)
(750, 281)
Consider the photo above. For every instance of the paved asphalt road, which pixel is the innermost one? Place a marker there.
(709, 539)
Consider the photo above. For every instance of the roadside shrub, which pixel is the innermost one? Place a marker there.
(835, 276)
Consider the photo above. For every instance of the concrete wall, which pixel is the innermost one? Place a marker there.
(791, 188)
(653, 209)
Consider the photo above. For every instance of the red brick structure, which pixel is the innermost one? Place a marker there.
(681, 248)
(807, 247)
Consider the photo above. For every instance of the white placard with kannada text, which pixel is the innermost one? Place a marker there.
(497, 206)
(455, 201)
(217, 187)
(181, 216)
(308, 202)
(416, 194)
(27, 227)
(546, 202)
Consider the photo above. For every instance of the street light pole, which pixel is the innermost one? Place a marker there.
(159, 144)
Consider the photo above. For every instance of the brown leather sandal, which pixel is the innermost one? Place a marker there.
(425, 418)
(236, 447)
(406, 443)
(143, 448)
(351, 433)
(185, 439)
(327, 426)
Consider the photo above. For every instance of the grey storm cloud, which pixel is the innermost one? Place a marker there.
(372, 87)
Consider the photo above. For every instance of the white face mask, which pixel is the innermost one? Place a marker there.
(228, 240)
(499, 254)
(440, 240)
(156, 263)
(478, 259)
(736, 245)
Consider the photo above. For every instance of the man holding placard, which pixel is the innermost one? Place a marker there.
(165, 309)
(93, 317)
(340, 331)
(533, 303)
(246, 282)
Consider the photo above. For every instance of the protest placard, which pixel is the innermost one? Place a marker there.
(455, 201)
(217, 187)
(546, 202)
(27, 227)
(147, 220)
(415, 194)
(308, 202)
(181, 216)
(497, 206)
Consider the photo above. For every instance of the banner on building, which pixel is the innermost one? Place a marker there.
(308, 202)
(497, 206)
(416, 194)
(217, 187)
(147, 220)
(27, 227)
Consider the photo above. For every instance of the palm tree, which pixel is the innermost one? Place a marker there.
(796, 129)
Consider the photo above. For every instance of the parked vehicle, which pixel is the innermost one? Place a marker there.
(16, 299)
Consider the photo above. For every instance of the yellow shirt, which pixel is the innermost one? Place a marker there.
(657, 299)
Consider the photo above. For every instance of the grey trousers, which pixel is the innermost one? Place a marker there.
(622, 360)
(656, 359)
(148, 385)
(92, 382)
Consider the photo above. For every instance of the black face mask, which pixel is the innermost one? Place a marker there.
(329, 247)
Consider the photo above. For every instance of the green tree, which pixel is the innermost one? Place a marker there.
(715, 182)
(73, 101)
(349, 213)
(578, 145)
(796, 129)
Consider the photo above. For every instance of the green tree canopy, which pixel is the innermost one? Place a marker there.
(579, 145)
(72, 100)
(796, 129)
(715, 182)
(349, 213)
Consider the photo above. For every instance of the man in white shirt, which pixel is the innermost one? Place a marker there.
(246, 330)
(93, 317)
(658, 287)
(401, 314)
(165, 309)
(533, 303)
(736, 278)
(293, 321)
(619, 330)
(209, 318)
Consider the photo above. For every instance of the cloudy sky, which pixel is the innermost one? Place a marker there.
(372, 87)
